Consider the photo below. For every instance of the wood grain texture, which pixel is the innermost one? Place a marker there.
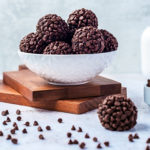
(36, 88)
(75, 106)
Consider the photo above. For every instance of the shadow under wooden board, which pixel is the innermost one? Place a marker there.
(36, 88)
(75, 106)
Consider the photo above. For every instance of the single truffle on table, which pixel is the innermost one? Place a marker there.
(32, 43)
(111, 43)
(87, 40)
(117, 113)
(52, 27)
(81, 18)
(58, 47)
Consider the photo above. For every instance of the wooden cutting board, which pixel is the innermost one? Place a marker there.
(35, 88)
(75, 106)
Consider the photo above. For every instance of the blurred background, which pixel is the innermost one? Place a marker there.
(126, 19)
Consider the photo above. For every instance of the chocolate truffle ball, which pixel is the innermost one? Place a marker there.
(87, 40)
(111, 43)
(81, 18)
(117, 113)
(52, 27)
(58, 47)
(32, 43)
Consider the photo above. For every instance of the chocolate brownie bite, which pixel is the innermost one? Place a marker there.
(81, 18)
(117, 113)
(51, 28)
(58, 47)
(32, 43)
(87, 40)
(111, 43)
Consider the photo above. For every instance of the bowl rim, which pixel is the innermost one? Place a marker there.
(65, 54)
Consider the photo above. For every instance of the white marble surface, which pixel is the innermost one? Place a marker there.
(56, 138)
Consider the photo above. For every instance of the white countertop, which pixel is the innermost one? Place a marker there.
(56, 139)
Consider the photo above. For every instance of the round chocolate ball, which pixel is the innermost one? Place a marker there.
(117, 113)
(87, 40)
(81, 18)
(32, 43)
(52, 27)
(58, 47)
(111, 43)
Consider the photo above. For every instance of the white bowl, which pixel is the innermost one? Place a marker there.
(67, 69)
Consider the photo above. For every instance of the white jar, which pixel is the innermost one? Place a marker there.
(145, 52)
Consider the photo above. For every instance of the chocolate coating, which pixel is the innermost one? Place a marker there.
(32, 43)
(117, 113)
(52, 27)
(81, 18)
(87, 40)
(58, 47)
(111, 43)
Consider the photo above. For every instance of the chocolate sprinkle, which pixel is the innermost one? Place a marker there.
(40, 129)
(8, 119)
(117, 113)
(87, 136)
(75, 141)
(130, 137)
(4, 123)
(99, 146)
(5, 113)
(48, 128)
(41, 137)
(106, 144)
(14, 124)
(19, 118)
(82, 145)
(148, 140)
(35, 123)
(14, 141)
(136, 136)
(12, 131)
(69, 134)
(70, 142)
(95, 139)
(16, 128)
(147, 147)
(24, 131)
(1, 133)
(60, 120)
(73, 128)
(8, 137)
(80, 129)
(27, 124)
(18, 112)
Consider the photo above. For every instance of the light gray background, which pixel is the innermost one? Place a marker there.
(126, 19)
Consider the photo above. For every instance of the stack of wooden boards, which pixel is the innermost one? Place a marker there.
(24, 87)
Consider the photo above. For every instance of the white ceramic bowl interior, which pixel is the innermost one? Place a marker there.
(67, 69)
